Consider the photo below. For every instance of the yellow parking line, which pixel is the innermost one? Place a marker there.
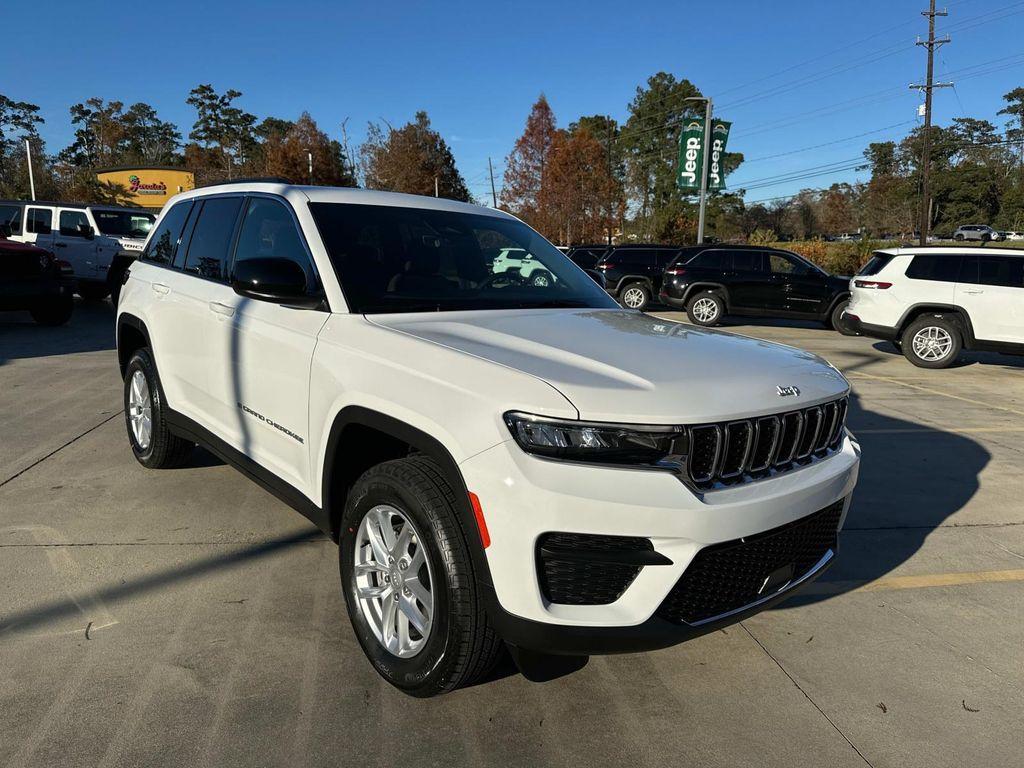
(915, 430)
(916, 582)
(932, 391)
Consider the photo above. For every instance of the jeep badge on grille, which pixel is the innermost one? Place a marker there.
(787, 391)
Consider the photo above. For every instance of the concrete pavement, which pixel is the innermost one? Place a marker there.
(188, 618)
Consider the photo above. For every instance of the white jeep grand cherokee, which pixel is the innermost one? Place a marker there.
(501, 462)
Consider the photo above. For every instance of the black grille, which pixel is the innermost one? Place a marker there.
(750, 449)
(725, 577)
(572, 570)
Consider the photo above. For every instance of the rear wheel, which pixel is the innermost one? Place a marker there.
(706, 309)
(837, 320)
(635, 296)
(54, 312)
(932, 341)
(145, 417)
(541, 278)
(408, 580)
(958, 237)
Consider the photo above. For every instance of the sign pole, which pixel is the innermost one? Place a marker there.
(31, 178)
(704, 171)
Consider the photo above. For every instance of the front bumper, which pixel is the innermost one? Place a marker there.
(30, 292)
(524, 497)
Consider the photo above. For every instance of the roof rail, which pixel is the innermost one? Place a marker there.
(249, 180)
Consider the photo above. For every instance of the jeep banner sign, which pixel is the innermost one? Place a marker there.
(691, 154)
(719, 137)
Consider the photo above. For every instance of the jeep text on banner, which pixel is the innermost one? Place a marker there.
(719, 138)
(691, 154)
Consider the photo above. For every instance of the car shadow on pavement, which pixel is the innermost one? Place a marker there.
(90, 329)
(965, 359)
(913, 477)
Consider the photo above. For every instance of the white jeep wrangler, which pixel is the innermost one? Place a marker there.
(503, 464)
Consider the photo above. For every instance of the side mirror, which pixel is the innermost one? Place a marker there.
(280, 281)
(86, 231)
(597, 277)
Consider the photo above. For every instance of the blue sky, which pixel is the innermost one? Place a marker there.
(789, 74)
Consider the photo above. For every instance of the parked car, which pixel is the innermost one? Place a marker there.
(711, 282)
(1012, 235)
(474, 442)
(587, 256)
(523, 263)
(980, 232)
(98, 241)
(933, 302)
(633, 273)
(32, 279)
(849, 237)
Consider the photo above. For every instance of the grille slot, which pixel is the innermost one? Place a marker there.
(739, 451)
(571, 570)
(726, 577)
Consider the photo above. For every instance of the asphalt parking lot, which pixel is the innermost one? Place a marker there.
(188, 618)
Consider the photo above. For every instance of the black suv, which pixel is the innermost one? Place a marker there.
(713, 281)
(586, 256)
(633, 273)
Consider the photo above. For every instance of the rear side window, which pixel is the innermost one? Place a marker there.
(163, 242)
(747, 261)
(269, 232)
(940, 267)
(664, 258)
(1004, 271)
(876, 264)
(40, 221)
(706, 260)
(632, 258)
(211, 238)
(11, 216)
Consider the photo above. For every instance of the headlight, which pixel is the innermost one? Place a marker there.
(628, 444)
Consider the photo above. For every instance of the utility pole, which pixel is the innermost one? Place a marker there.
(310, 156)
(706, 161)
(31, 177)
(494, 195)
(929, 85)
(436, 191)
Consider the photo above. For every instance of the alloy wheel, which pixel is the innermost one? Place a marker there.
(140, 410)
(932, 343)
(633, 298)
(394, 583)
(705, 310)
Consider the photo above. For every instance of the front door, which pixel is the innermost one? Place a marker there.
(797, 287)
(267, 350)
(991, 289)
(77, 243)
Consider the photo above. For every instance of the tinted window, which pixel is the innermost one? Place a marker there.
(943, 267)
(268, 231)
(875, 264)
(72, 223)
(1005, 271)
(633, 258)
(123, 223)
(161, 246)
(784, 265)
(40, 221)
(707, 259)
(747, 261)
(396, 259)
(585, 259)
(211, 238)
(664, 258)
(11, 216)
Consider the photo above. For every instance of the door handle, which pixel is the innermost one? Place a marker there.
(161, 288)
(222, 309)
(973, 291)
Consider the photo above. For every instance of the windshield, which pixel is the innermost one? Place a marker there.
(392, 259)
(123, 223)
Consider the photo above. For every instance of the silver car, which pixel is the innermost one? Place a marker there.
(981, 232)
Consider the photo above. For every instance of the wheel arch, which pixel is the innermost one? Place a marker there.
(957, 313)
(380, 437)
(627, 279)
(131, 335)
(705, 286)
(836, 300)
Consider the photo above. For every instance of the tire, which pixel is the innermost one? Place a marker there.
(161, 449)
(938, 342)
(635, 296)
(836, 321)
(540, 278)
(54, 312)
(93, 291)
(459, 646)
(705, 309)
(958, 237)
(985, 238)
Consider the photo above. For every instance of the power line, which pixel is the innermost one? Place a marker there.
(747, 161)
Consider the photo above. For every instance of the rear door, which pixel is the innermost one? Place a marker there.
(991, 290)
(796, 287)
(38, 227)
(265, 351)
(746, 278)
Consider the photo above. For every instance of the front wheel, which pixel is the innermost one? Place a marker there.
(706, 309)
(932, 341)
(93, 291)
(408, 580)
(145, 417)
(54, 312)
(838, 321)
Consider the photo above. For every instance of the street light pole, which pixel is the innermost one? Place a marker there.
(705, 164)
(31, 177)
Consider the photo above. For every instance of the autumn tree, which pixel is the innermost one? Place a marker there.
(581, 195)
(411, 159)
(287, 154)
(523, 192)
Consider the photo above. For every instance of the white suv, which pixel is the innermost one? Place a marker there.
(501, 462)
(933, 302)
(981, 232)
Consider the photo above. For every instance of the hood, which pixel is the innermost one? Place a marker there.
(617, 365)
(13, 246)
